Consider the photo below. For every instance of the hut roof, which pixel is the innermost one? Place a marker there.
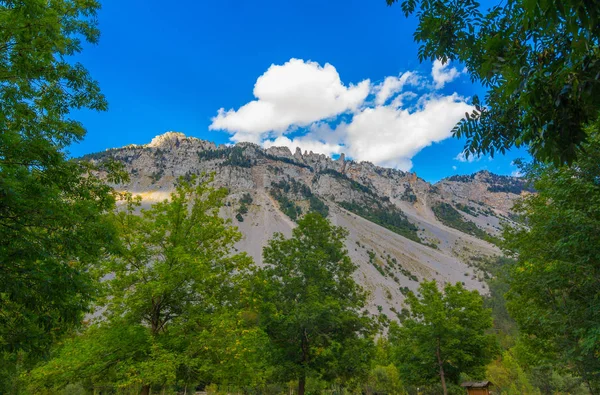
(476, 384)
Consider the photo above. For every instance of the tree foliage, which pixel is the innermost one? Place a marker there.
(311, 306)
(442, 336)
(51, 209)
(174, 308)
(508, 376)
(538, 60)
(555, 293)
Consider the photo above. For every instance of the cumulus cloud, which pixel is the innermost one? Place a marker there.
(296, 93)
(391, 137)
(441, 74)
(393, 85)
(302, 104)
(462, 157)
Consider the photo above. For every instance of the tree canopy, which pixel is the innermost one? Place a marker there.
(443, 335)
(311, 305)
(173, 301)
(538, 60)
(52, 223)
(554, 290)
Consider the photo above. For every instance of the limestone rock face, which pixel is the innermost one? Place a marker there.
(283, 152)
(441, 252)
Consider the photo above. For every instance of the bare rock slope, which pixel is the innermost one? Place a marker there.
(402, 230)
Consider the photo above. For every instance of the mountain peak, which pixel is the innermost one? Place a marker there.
(167, 139)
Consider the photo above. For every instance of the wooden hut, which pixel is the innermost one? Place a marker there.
(477, 387)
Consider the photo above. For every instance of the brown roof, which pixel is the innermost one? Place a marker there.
(476, 384)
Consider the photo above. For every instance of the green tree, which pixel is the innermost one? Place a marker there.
(383, 377)
(174, 305)
(508, 376)
(538, 60)
(311, 305)
(51, 223)
(555, 293)
(443, 335)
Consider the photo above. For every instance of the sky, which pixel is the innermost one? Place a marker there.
(327, 76)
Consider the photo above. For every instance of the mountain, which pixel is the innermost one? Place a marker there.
(402, 229)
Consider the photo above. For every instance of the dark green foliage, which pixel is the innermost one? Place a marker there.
(316, 205)
(538, 60)
(157, 175)
(554, 290)
(171, 304)
(237, 158)
(243, 209)
(353, 184)
(234, 156)
(409, 195)
(459, 178)
(514, 189)
(212, 154)
(293, 186)
(246, 198)
(289, 161)
(516, 218)
(467, 209)
(287, 206)
(443, 335)
(496, 271)
(286, 160)
(312, 307)
(449, 216)
(297, 189)
(52, 223)
(390, 217)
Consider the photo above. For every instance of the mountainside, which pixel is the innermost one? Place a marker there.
(402, 229)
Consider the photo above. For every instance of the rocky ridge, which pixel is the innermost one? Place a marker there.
(402, 229)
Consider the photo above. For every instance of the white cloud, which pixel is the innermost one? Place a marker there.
(391, 137)
(296, 93)
(392, 85)
(399, 100)
(454, 168)
(462, 157)
(297, 102)
(441, 74)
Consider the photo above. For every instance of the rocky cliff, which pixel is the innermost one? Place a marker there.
(402, 229)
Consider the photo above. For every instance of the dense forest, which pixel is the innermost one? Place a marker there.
(99, 295)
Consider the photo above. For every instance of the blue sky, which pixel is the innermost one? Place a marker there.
(345, 78)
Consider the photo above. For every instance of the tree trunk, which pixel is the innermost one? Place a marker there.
(589, 385)
(145, 390)
(301, 383)
(441, 365)
(302, 379)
